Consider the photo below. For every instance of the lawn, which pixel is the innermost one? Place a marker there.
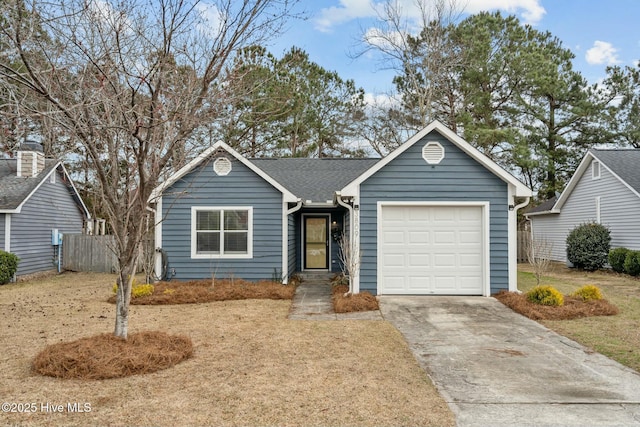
(251, 365)
(616, 336)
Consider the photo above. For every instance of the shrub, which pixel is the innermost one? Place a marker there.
(8, 266)
(632, 263)
(545, 295)
(616, 259)
(138, 290)
(588, 293)
(588, 246)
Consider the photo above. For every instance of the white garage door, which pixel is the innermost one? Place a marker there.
(427, 250)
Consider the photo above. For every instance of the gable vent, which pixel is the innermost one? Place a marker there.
(433, 152)
(222, 166)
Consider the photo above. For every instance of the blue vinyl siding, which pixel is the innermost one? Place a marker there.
(241, 187)
(291, 244)
(457, 178)
(51, 206)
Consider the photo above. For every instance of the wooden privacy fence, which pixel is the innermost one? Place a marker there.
(524, 241)
(88, 253)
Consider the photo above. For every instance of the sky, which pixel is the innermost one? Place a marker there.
(599, 32)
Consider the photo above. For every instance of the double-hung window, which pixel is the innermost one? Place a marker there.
(221, 232)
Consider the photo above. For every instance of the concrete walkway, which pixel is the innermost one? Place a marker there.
(312, 301)
(497, 368)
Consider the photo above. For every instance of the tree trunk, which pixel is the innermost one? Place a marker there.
(123, 296)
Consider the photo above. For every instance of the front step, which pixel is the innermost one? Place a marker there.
(316, 276)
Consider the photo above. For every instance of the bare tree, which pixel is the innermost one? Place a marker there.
(130, 84)
(415, 43)
(539, 256)
(349, 259)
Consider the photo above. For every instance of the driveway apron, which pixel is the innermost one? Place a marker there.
(497, 368)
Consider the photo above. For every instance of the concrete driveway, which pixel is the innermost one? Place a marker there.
(497, 368)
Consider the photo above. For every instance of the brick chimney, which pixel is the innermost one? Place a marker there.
(30, 159)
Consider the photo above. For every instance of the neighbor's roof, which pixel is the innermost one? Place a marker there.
(622, 162)
(14, 190)
(314, 179)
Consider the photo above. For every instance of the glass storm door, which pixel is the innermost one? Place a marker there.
(316, 242)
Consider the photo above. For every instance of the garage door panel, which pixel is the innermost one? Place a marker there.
(431, 250)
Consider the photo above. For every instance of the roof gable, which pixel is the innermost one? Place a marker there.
(15, 191)
(622, 164)
(157, 192)
(521, 190)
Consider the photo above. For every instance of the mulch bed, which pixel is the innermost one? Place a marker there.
(106, 356)
(201, 291)
(362, 301)
(572, 308)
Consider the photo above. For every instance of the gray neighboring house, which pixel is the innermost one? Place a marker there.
(36, 197)
(605, 188)
(434, 217)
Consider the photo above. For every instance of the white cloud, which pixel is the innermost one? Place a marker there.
(381, 100)
(529, 11)
(602, 53)
(347, 11)
(211, 17)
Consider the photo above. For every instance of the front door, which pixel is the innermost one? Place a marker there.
(316, 242)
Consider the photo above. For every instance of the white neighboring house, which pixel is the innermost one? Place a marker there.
(605, 188)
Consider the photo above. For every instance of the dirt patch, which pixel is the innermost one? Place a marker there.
(251, 365)
(202, 291)
(573, 308)
(349, 303)
(105, 356)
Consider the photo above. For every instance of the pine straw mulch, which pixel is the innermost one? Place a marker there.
(105, 356)
(573, 308)
(251, 365)
(201, 291)
(348, 303)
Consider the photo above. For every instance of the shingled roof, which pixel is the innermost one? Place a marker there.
(314, 179)
(14, 189)
(623, 162)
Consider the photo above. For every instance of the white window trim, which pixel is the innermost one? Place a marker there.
(597, 199)
(194, 241)
(595, 169)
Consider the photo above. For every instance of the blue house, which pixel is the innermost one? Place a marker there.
(37, 197)
(434, 217)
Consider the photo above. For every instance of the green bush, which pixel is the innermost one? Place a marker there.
(616, 259)
(588, 246)
(588, 293)
(545, 295)
(632, 263)
(8, 266)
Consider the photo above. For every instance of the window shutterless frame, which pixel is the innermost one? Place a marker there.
(219, 232)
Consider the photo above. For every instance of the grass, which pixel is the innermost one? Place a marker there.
(250, 364)
(616, 336)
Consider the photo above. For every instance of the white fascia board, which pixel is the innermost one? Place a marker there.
(75, 190)
(541, 213)
(288, 196)
(577, 175)
(521, 190)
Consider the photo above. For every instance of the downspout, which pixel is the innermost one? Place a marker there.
(351, 227)
(285, 240)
